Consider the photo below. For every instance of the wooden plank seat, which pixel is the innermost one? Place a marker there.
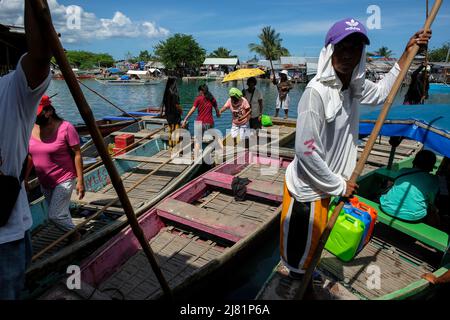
(421, 231)
(138, 135)
(226, 227)
(94, 198)
(176, 160)
(263, 189)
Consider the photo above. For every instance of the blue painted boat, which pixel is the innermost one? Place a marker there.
(439, 88)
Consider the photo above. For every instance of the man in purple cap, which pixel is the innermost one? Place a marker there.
(326, 137)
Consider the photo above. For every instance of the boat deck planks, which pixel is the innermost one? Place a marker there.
(379, 156)
(396, 271)
(48, 233)
(181, 253)
(178, 253)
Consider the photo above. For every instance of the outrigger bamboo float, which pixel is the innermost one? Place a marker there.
(401, 251)
(149, 173)
(193, 232)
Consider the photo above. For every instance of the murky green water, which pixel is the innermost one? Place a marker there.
(248, 279)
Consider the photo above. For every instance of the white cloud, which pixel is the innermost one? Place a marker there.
(77, 25)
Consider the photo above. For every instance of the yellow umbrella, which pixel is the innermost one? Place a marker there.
(242, 74)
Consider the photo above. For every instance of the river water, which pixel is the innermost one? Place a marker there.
(248, 279)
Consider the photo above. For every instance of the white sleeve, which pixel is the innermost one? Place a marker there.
(376, 93)
(309, 148)
(27, 98)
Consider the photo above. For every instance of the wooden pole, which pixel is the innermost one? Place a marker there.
(425, 72)
(42, 15)
(114, 105)
(365, 154)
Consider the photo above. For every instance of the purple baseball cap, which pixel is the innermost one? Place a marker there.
(343, 28)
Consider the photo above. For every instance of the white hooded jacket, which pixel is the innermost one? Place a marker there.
(327, 129)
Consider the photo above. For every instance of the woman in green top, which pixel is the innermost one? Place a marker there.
(414, 190)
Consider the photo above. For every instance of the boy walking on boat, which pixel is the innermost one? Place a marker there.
(20, 93)
(326, 136)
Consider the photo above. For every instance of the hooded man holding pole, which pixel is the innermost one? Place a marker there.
(20, 93)
(326, 136)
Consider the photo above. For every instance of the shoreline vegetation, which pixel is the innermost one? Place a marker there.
(181, 55)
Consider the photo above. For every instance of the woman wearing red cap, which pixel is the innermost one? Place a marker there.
(55, 151)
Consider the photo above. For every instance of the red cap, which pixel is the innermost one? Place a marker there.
(45, 101)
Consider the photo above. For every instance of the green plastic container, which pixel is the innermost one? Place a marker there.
(266, 121)
(345, 237)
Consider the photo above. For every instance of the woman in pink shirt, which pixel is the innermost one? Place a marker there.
(55, 152)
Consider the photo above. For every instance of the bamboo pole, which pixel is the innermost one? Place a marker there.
(365, 154)
(43, 17)
(107, 100)
(425, 72)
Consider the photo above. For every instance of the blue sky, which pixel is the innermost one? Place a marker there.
(234, 24)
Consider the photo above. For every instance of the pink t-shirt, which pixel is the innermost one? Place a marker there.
(238, 110)
(52, 157)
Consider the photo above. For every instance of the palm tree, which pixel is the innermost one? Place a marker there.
(221, 52)
(270, 46)
(384, 52)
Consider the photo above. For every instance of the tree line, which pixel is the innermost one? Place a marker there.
(182, 54)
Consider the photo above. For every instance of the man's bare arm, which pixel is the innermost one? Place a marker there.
(36, 63)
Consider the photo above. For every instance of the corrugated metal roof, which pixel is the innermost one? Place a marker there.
(293, 60)
(221, 61)
(266, 64)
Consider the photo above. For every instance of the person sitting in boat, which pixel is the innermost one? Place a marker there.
(241, 111)
(326, 138)
(255, 99)
(411, 198)
(205, 103)
(172, 109)
(55, 152)
(283, 99)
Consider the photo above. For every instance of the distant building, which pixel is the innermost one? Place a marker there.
(440, 72)
(218, 67)
(252, 63)
(12, 46)
(156, 68)
(297, 67)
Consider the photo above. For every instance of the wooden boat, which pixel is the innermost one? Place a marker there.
(140, 130)
(149, 173)
(143, 131)
(106, 127)
(194, 232)
(399, 252)
(128, 82)
(282, 132)
(109, 124)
